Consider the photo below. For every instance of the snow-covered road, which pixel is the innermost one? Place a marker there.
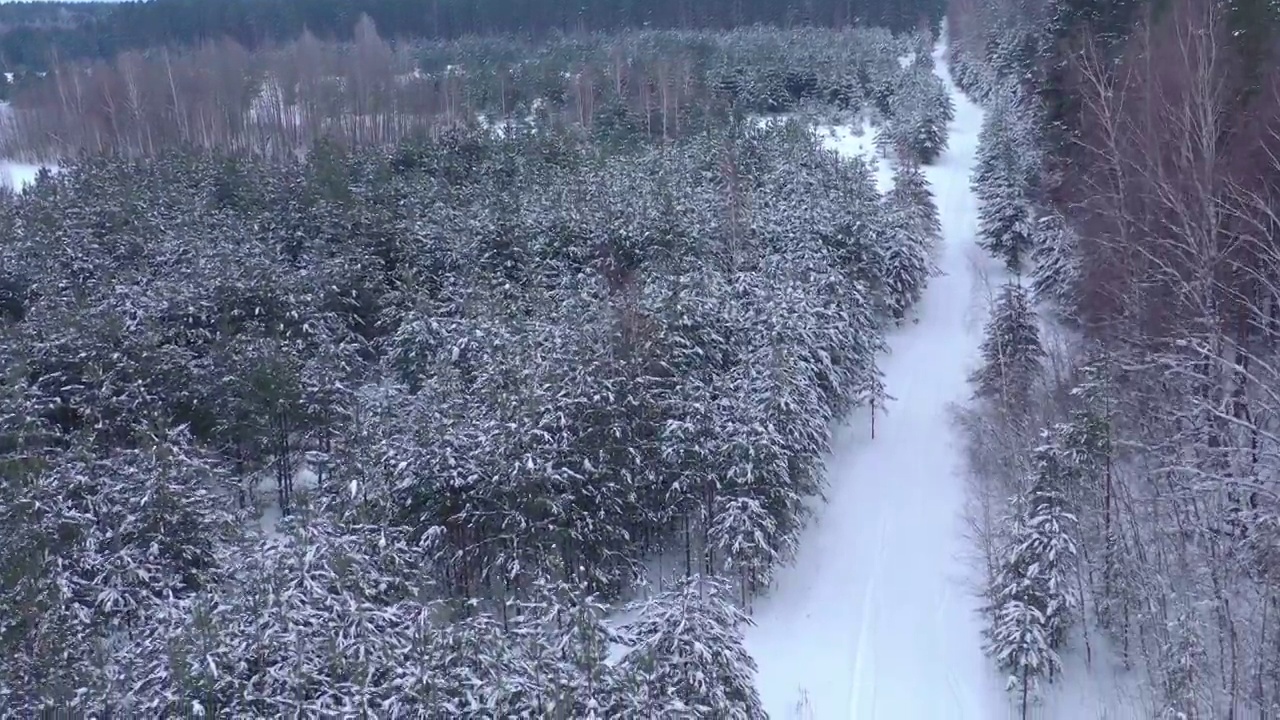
(876, 620)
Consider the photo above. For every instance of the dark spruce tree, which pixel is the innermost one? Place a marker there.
(685, 651)
(1011, 351)
(1002, 181)
(1055, 272)
(1032, 598)
(912, 243)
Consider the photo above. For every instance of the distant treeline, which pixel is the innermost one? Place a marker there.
(648, 84)
(34, 36)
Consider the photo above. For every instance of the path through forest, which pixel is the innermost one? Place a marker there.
(876, 620)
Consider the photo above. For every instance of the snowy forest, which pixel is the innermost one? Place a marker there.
(626, 360)
(505, 419)
(1123, 428)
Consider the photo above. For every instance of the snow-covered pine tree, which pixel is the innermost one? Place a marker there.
(911, 189)
(995, 141)
(581, 639)
(923, 42)
(1011, 351)
(558, 643)
(1011, 52)
(1055, 261)
(686, 650)
(919, 113)
(890, 138)
(1088, 446)
(1019, 643)
(1006, 220)
(1032, 600)
(1182, 674)
(323, 617)
(907, 256)
(1008, 137)
(1087, 438)
(90, 543)
(971, 75)
(1049, 543)
(774, 413)
(746, 538)
(1003, 179)
(912, 242)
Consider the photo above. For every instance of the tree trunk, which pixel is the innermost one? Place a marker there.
(1026, 677)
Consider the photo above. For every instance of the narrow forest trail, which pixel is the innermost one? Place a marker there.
(876, 620)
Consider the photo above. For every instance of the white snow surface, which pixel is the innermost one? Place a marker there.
(267, 495)
(18, 175)
(1099, 690)
(877, 618)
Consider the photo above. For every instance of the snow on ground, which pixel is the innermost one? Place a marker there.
(850, 141)
(18, 175)
(859, 142)
(1099, 690)
(14, 174)
(267, 497)
(876, 619)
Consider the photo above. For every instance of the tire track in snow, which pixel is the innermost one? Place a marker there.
(953, 683)
(865, 625)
